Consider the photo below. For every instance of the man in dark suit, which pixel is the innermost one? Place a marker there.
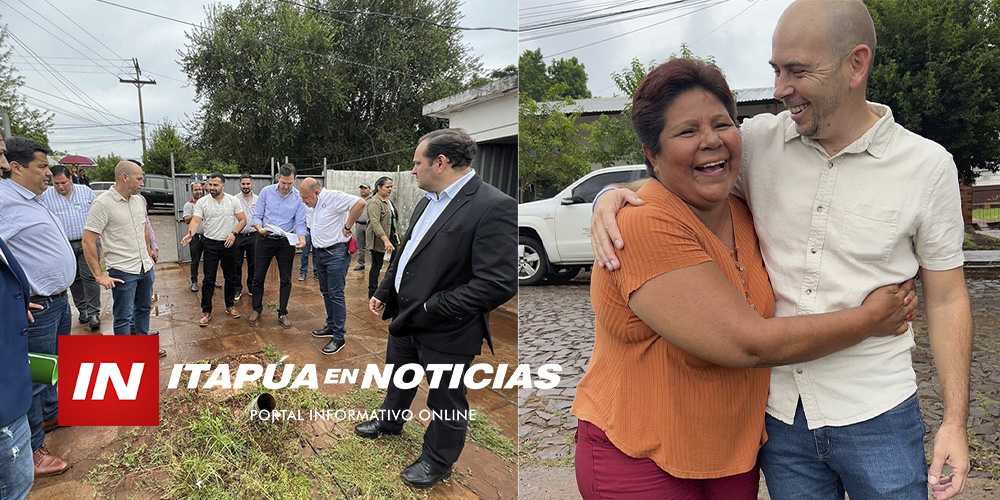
(16, 464)
(455, 264)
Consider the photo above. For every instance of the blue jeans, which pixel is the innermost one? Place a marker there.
(304, 267)
(333, 264)
(17, 469)
(43, 337)
(133, 300)
(881, 458)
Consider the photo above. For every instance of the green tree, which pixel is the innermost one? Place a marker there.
(105, 171)
(571, 73)
(937, 66)
(25, 121)
(561, 79)
(550, 152)
(163, 141)
(533, 81)
(279, 79)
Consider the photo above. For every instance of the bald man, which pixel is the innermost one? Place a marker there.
(118, 217)
(334, 213)
(844, 200)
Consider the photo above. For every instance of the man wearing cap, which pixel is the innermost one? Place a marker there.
(359, 231)
(71, 205)
(37, 240)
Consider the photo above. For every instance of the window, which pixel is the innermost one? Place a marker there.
(586, 191)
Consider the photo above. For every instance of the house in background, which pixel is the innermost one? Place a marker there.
(489, 114)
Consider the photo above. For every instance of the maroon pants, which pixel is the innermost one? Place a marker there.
(603, 472)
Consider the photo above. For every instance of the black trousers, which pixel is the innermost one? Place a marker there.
(377, 258)
(215, 252)
(244, 252)
(265, 250)
(445, 437)
(197, 246)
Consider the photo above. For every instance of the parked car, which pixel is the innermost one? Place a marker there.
(100, 187)
(554, 234)
(158, 191)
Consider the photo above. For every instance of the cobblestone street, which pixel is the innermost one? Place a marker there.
(556, 325)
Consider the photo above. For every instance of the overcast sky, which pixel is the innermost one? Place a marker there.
(736, 32)
(94, 82)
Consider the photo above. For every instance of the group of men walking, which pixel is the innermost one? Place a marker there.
(453, 266)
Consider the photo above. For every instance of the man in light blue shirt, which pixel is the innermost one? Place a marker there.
(277, 206)
(37, 240)
(71, 205)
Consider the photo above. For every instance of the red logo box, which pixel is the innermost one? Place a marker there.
(111, 380)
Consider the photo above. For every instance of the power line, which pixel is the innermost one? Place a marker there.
(580, 19)
(53, 34)
(272, 44)
(65, 81)
(632, 31)
(150, 13)
(662, 9)
(402, 18)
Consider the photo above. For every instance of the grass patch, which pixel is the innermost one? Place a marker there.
(205, 448)
(976, 241)
(487, 435)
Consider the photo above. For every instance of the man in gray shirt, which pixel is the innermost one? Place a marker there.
(37, 240)
(71, 205)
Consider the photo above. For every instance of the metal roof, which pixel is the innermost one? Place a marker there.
(616, 104)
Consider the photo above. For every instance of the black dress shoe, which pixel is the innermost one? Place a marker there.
(372, 429)
(95, 322)
(423, 475)
(323, 332)
(84, 318)
(333, 346)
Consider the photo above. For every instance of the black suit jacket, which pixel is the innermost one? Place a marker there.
(464, 267)
(15, 389)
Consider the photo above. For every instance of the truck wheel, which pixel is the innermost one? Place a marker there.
(562, 275)
(532, 264)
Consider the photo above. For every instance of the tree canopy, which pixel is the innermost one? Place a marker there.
(561, 79)
(277, 79)
(937, 65)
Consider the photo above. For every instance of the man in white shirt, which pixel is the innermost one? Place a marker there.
(223, 218)
(247, 238)
(333, 214)
(844, 199)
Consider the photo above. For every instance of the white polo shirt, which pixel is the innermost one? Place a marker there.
(832, 230)
(218, 218)
(329, 217)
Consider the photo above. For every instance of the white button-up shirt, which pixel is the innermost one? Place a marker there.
(329, 217)
(438, 202)
(832, 229)
(121, 225)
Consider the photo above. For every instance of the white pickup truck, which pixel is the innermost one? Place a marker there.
(554, 234)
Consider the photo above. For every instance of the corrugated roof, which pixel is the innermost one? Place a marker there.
(616, 104)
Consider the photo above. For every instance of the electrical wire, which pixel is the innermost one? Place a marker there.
(393, 16)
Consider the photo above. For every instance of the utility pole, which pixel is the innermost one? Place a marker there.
(138, 85)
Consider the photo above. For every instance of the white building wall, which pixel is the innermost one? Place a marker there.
(493, 119)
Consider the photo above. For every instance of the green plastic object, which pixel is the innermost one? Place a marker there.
(44, 368)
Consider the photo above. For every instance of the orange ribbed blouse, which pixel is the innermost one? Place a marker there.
(694, 419)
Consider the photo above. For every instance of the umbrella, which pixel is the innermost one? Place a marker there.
(76, 160)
